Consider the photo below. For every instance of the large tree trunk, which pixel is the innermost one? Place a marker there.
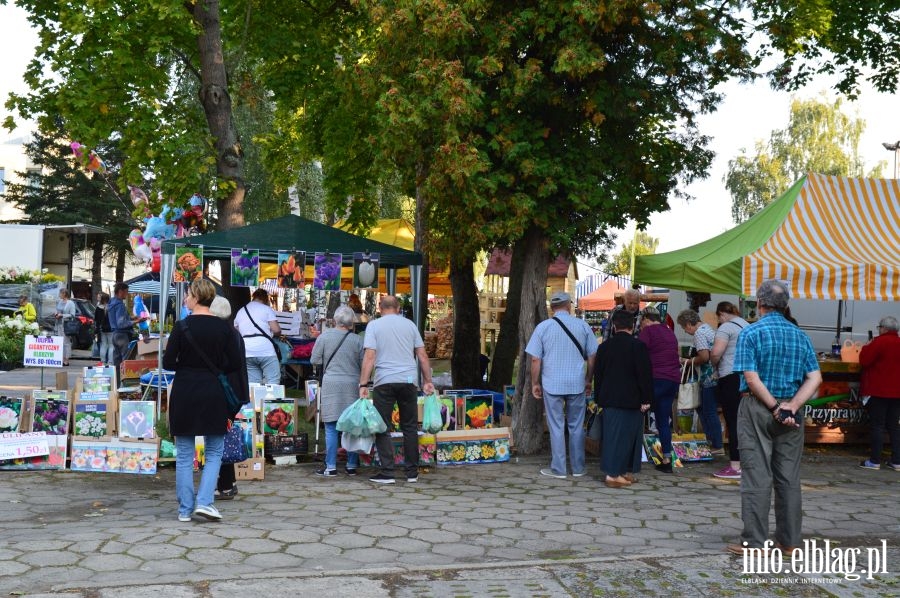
(420, 242)
(527, 414)
(465, 364)
(96, 266)
(217, 105)
(504, 360)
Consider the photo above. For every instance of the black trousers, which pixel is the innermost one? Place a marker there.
(226, 477)
(404, 395)
(883, 416)
(728, 395)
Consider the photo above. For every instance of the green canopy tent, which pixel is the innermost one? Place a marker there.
(300, 234)
(714, 266)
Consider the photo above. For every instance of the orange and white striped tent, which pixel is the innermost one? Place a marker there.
(829, 237)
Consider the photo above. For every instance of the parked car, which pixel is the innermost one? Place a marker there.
(85, 337)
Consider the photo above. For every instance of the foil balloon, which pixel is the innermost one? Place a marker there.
(138, 197)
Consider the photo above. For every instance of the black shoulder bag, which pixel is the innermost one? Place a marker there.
(232, 401)
(572, 336)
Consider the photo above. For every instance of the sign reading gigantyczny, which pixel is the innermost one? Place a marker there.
(43, 351)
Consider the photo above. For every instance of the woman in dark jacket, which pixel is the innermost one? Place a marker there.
(197, 405)
(623, 386)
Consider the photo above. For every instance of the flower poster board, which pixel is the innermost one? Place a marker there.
(479, 411)
(50, 412)
(114, 456)
(97, 382)
(11, 413)
(365, 270)
(327, 267)
(91, 420)
(278, 416)
(291, 265)
(188, 263)
(137, 419)
(244, 267)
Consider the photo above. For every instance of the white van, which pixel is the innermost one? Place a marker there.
(819, 319)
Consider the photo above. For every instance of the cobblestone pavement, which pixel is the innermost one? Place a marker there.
(487, 530)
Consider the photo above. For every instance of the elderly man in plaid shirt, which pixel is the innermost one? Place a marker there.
(560, 348)
(781, 373)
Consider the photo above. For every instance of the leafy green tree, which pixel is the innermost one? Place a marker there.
(533, 123)
(114, 69)
(819, 137)
(641, 244)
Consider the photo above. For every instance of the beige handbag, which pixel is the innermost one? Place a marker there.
(688, 390)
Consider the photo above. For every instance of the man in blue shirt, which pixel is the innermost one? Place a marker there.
(781, 373)
(120, 323)
(560, 348)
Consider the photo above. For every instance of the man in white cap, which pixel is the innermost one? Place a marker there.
(562, 351)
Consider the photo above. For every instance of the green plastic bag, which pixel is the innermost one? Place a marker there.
(361, 419)
(432, 422)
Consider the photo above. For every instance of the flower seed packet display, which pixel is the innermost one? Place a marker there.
(115, 457)
(11, 413)
(365, 270)
(479, 411)
(188, 264)
(291, 265)
(327, 268)
(137, 419)
(50, 412)
(91, 420)
(245, 267)
(97, 382)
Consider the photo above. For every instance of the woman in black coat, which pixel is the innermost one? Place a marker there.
(197, 405)
(623, 387)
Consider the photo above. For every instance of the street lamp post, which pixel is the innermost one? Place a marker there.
(893, 147)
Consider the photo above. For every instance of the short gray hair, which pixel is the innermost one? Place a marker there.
(344, 317)
(632, 293)
(220, 307)
(688, 316)
(773, 294)
(889, 323)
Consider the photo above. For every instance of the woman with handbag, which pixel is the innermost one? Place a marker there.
(663, 346)
(257, 323)
(200, 348)
(704, 338)
(66, 320)
(340, 353)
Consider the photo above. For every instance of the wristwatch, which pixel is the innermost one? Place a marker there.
(363, 385)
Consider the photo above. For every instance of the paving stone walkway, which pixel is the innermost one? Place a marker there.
(488, 530)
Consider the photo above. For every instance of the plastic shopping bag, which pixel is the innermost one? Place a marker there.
(361, 419)
(357, 444)
(432, 422)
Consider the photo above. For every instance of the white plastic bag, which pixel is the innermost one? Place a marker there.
(357, 444)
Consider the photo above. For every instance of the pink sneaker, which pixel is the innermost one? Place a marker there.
(729, 473)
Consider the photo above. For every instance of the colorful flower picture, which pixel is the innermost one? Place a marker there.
(90, 419)
(327, 267)
(365, 270)
(188, 264)
(278, 417)
(291, 265)
(10, 412)
(50, 413)
(479, 411)
(245, 267)
(137, 419)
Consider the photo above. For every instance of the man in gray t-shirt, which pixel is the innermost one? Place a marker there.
(393, 344)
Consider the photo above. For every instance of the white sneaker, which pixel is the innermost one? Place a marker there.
(550, 473)
(208, 512)
(184, 518)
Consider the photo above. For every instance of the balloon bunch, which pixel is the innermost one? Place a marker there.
(171, 223)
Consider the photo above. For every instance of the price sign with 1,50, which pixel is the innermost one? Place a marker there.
(22, 445)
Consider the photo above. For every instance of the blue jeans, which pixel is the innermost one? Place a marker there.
(107, 348)
(268, 368)
(331, 449)
(709, 416)
(184, 472)
(574, 420)
(664, 392)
